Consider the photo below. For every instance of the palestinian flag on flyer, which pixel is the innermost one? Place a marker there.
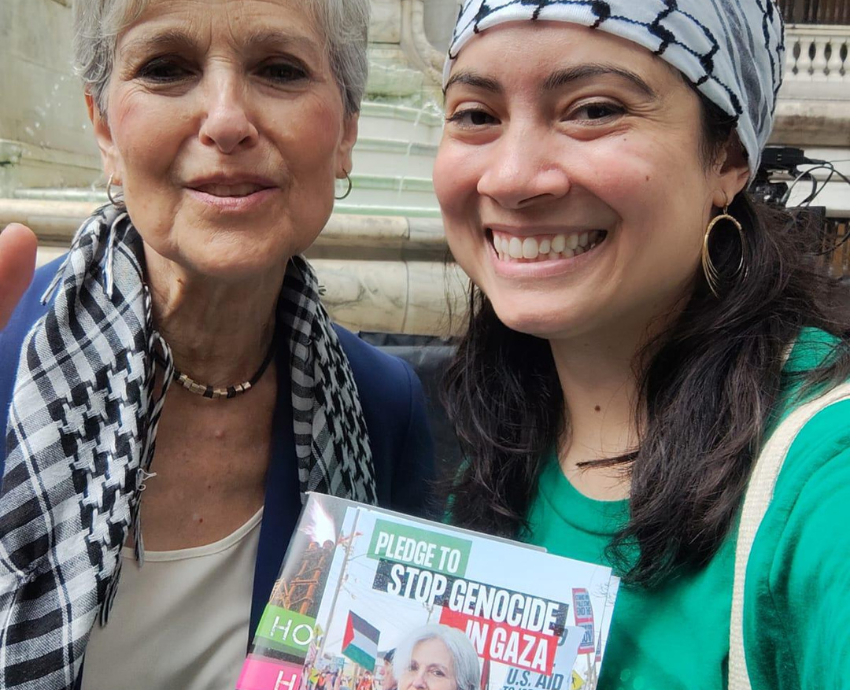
(360, 642)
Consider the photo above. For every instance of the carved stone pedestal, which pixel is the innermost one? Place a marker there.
(408, 41)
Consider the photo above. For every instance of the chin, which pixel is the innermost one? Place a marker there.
(226, 262)
(544, 325)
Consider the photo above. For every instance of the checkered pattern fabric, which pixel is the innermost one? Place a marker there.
(732, 50)
(331, 440)
(81, 437)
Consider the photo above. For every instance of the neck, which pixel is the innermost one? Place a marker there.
(599, 386)
(219, 332)
(600, 379)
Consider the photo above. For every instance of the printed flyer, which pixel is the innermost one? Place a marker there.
(369, 599)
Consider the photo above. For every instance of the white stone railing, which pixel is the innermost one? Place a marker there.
(817, 62)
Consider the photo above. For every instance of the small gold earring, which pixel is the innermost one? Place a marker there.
(350, 187)
(112, 200)
(712, 275)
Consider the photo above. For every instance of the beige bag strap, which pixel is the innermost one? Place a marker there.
(757, 499)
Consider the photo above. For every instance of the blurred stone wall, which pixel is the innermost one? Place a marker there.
(45, 140)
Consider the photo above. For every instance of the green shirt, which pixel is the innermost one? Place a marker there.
(797, 598)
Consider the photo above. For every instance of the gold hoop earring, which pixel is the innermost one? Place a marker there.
(350, 187)
(712, 275)
(112, 200)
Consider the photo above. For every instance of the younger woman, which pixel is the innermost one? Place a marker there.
(639, 327)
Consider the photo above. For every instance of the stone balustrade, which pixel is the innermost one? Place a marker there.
(817, 60)
(814, 101)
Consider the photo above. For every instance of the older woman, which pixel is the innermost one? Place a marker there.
(182, 350)
(436, 657)
(643, 338)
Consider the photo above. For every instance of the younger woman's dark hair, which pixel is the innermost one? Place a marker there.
(712, 380)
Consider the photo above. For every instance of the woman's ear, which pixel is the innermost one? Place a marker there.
(344, 158)
(733, 172)
(103, 136)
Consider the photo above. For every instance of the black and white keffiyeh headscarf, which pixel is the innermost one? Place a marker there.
(81, 437)
(732, 50)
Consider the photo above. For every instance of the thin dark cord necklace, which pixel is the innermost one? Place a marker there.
(218, 393)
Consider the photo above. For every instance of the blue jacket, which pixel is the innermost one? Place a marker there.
(393, 405)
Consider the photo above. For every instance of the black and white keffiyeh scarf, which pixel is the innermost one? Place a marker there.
(733, 51)
(81, 437)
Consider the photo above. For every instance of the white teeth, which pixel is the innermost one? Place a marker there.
(511, 248)
(515, 248)
(559, 243)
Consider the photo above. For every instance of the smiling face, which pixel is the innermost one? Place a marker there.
(226, 129)
(571, 182)
(431, 668)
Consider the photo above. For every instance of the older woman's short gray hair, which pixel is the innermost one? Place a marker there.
(97, 24)
(467, 670)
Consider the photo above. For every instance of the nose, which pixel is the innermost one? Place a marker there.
(524, 169)
(419, 680)
(228, 122)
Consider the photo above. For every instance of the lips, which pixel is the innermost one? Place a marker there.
(234, 194)
(230, 190)
(231, 185)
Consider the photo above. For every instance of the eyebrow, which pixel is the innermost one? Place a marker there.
(444, 669)
(277, 37)
(177, 38)
(168, 38)
(476, 81)
(556, 80)
(564, 77)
